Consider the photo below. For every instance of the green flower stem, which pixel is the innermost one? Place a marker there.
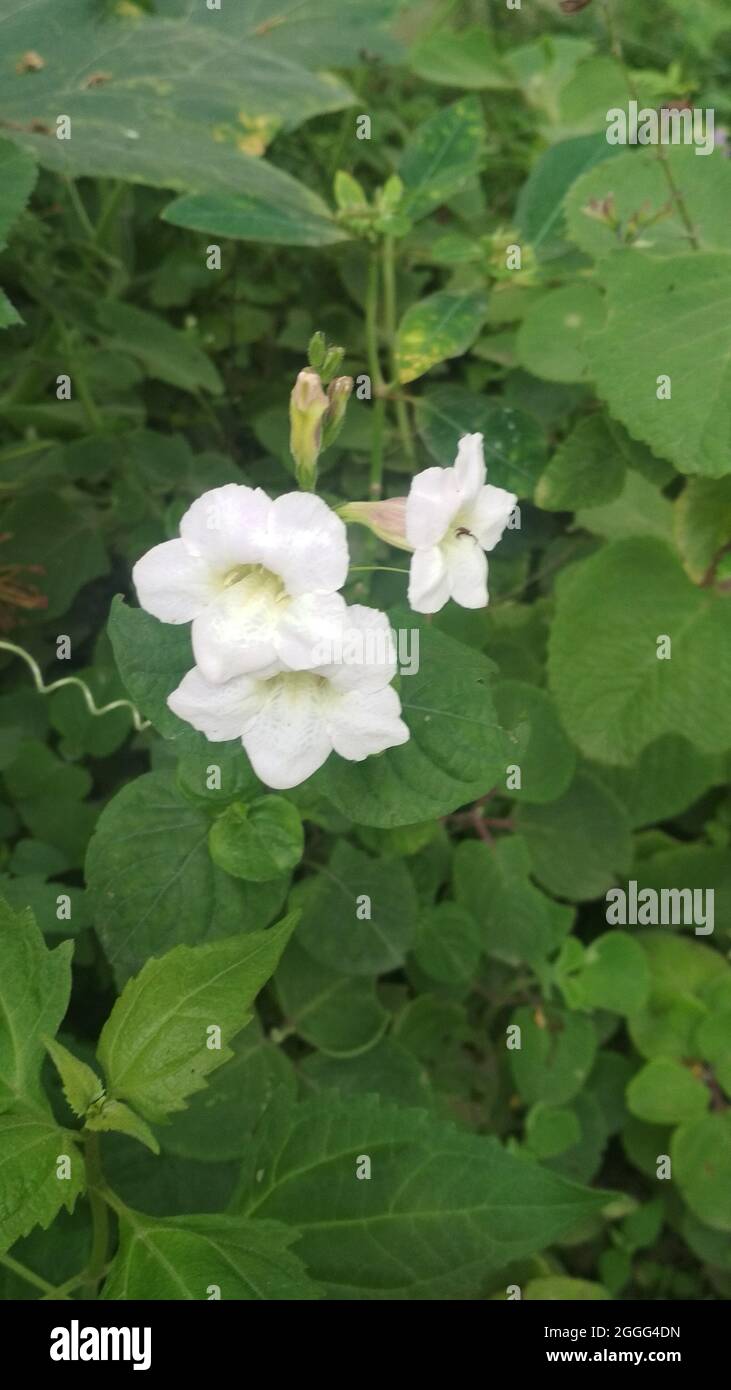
(374, 367)
(389, 306)
(99, 1216)
(50, 1290)
(386, 569)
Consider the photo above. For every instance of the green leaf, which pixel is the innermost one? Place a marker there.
(551, 340)
(702, 521)
(637, 183)
(18, 173)
(434, 329)
(151, 882)
(337, 1013)
(35, 985)
(114, 1116)
(614, 975)
(457, 750)
(216, 1125)
(586, 470)
(175, 103)
(467, 59)
(359, 914)
(441, 157)
(515, 448)
(539, 214)
(275, 209)
(81, 1085)
(665, 1093)
(579, 842)
(442, 1208)
(152, 658)
(31, 1193)
(556, 1054)
(163, 352)
(551, 1129)
(258, 842)
(387, 1069)
(639, 510)
(515, 918)
(315, 33)
(613, 694)
(449, 944)
(155, 1048)
(647, 300)
(701, 1158)
(9, 315)
(680, 970)
(547, 759)
(188, 1257)
(668, 776)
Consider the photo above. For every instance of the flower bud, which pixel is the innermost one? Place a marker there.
(338, 393)
(386, 519)
(307, 406)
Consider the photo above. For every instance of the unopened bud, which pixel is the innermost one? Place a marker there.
(317, 350)
(338, 394)
(386, 519)
(307, 405)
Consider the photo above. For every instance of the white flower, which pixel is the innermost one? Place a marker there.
(291, 722)
(452, 518)
(258, 578)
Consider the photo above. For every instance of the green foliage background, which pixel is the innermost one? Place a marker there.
(387, 1037)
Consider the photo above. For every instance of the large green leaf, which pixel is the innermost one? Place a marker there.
(200, 1257)
(547, 759)
(517, 920)
(35, 985)
(152, 883)
(467, 60)
(152, 658)
(33, 1185)
(440, 1211)
(215, 1126)
(335, 1012)
(179, 104)
(155, 1047)
(457, 750)
(359, 914)
(442, 326)
(637, 183)
(539, 213)
(613, 693)
(314, 33)
(666, 316)
(163, 352)
(579, 842)
(274, 209)
(442, 156)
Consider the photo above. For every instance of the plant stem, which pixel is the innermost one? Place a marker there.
(390, 317)
(374, 367)
(30, 1278)
(99, 1216)
(387, 569)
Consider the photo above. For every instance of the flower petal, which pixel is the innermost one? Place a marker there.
(235, 635)
(365, 656)
(432, 503)
(227, 526)
(172, 584)
(309, 630)
(428, 580)
(362, 723)
(469, 467)
(467, 571)
(287, 740)
(306, 544)
(490, 514)
(218, 711)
